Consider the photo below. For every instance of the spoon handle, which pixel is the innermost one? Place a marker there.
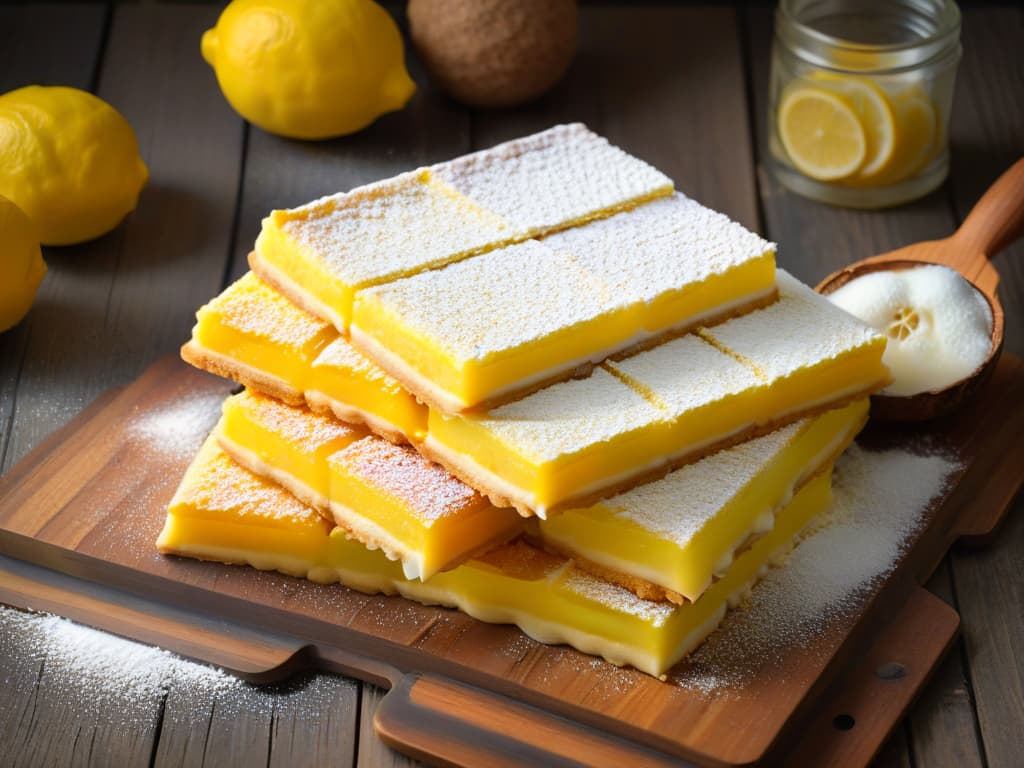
(996, 220)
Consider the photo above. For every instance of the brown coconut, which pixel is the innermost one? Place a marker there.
(494, 53)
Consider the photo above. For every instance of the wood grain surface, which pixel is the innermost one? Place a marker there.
(109, 308)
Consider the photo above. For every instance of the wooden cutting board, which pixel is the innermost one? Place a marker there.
(80, 514)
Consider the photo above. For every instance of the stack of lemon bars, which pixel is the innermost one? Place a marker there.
(535, 383)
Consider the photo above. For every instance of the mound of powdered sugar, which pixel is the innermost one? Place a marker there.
(879, 499)
(101, 677)
(178, 428)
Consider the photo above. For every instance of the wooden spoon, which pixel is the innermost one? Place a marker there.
(993, 224)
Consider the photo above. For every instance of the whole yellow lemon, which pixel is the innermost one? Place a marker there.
(21, 264)
(309, 69)
(69, 160)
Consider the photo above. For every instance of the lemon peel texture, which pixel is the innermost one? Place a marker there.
(308, 69)
(21, 264)
(69, 160)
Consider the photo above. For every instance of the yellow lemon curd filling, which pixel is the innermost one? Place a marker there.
(386, 496)
(683, 531)
(477, 331)
(288, 444)
(346, 383)
(223, 512)
(390, 497)
(321, 254)
(254, 335)
(578, 441)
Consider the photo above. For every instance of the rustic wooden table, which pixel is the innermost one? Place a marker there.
(683, 88)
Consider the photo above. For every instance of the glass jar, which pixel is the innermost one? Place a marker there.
(860, 97)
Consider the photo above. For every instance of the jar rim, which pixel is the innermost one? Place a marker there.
(944, 37)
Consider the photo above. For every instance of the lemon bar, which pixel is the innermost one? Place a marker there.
(482, 330)
(290, 445)
(673, 537)
(633, 420)
(391, 497)
(322, 253)
(224, 513)
(253, 335)
(386, 496)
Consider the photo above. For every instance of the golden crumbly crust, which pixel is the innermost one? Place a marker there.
(320, 403)
(264, 383)
(229, 368)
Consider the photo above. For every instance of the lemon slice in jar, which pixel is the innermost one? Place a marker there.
(875, 114)
(821, 133)
(917, 132)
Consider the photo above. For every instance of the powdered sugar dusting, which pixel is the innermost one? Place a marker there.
(879, 502)
(343, 358)
(665, 245)
(251, 307)
(104, 678)
(215, 485)
(571, 416)
(486, 305)
(798, 331)
(553, 179)
(178, 428)
(613, 597)
(305, 430)
(512, 296)
(679, 505)
(391, 228)
(427, 490)
(684, 374)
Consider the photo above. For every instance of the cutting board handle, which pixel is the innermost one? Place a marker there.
(445, 722)
(995, 222)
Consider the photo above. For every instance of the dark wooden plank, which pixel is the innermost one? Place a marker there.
(990, 593)
(374, 753)
(943, 724)
(895, 753)
(283, 173)
(987, 135)
(987, 132)
(76, 698)
(21, 666)
(315, 722)
(48, 45)
(114, 305)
